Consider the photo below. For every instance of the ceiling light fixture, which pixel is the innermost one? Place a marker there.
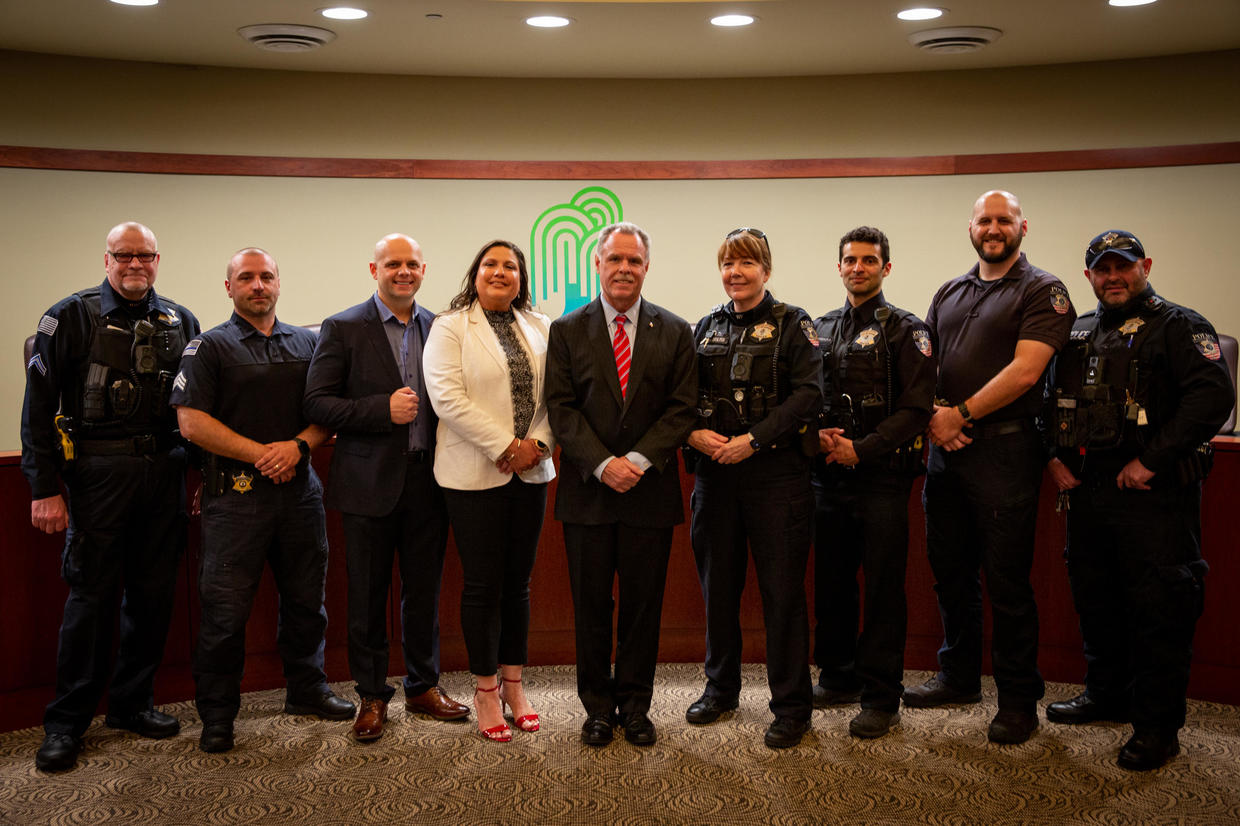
(1129, 2)
(136, 2)
(920, 13)
(547, 21)
(731, 20)
(344, 13)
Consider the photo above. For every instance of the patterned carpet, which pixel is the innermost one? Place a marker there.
(935, 768)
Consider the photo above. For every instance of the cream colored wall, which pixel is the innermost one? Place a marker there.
(322, 230)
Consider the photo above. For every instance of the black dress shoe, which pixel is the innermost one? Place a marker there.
(1012, 726)
(872, 722)
(638, 729)
(150, 723)
(824, 697)
(216, 737)
(936, 692)
(326, 706)
(1148, 750)
(1083, 709)
(708, 708)
(785, 732)
(597, 730)
(58, 753)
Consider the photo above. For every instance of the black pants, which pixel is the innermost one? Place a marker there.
(496, 534)
(861, 523)
(126, 535)
(416, 534)
(278, 525)
(981, 506)
(598, 557)
(1134, 562)
(762, 505)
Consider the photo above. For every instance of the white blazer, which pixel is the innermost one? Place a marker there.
(465, 372)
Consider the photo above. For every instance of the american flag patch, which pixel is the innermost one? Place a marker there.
(191, 348)
(36, 361)
(179, 381)
(48, 325)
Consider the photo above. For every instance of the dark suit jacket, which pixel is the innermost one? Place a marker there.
(351, 378)
(591, 421)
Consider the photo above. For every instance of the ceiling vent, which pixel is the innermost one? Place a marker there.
(955, 40)
(286, 37)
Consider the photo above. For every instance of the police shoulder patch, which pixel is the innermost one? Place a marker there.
(807, 327)
(921, 338)
(48, 325)
(1207, 345)
(1059, 299)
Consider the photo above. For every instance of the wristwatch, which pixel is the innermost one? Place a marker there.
(963, 410)
(303, 446)
(753, 444)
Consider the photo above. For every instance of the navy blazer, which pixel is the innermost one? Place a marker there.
(591, 421)
(351, 378)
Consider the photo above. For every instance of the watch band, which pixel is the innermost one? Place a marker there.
(963, 409)
(303, 446)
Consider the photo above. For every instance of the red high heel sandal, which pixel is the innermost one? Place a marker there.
(500, 733)
(528, 722)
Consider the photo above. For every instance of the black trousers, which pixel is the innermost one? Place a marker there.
(278, 525)
(126, 535)
(599, 557)
(1134, 562)
(415, 533)
(861, 524)
(496, 534)
(762, 505)
(981, 505)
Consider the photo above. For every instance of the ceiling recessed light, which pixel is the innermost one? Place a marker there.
(1130, 2)
(136, 2)
(546, 22)
(344, 13)
(922, 13)
(731, 20)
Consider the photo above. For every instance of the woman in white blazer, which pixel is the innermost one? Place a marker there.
(484, 365)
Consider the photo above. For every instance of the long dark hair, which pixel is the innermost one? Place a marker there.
(469, 289)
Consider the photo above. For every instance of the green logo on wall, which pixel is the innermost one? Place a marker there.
(562, 243)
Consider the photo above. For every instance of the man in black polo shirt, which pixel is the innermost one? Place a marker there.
(995, 329)
(238, 397)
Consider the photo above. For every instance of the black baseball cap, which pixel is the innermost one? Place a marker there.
(1119, 241)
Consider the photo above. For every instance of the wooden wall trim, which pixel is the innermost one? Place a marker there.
(94, 160)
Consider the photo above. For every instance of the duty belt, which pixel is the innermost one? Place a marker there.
(129, 446)
(989, 430)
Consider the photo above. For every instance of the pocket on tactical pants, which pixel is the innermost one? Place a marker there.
(75, 560)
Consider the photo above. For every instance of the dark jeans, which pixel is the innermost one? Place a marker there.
(278, 525)
(981, 506)
(861, 523)
(496, 534)
(762, 505)
(126, 535)
(1134, 562)
(416, 534)
(598, 557)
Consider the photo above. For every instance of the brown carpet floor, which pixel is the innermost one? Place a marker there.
(936, 767)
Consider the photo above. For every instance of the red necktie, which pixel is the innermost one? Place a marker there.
(620, 345)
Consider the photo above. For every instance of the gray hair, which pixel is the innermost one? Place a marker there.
(627, 228)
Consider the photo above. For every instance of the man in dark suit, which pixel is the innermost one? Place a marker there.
(621, 391)
(365, 383)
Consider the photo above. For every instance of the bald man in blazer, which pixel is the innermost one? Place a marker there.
(365, 383)
(619, 490)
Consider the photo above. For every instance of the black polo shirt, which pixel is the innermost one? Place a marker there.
(252, 383)
(975, 325)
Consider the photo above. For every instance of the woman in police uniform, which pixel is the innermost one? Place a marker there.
(759, 392)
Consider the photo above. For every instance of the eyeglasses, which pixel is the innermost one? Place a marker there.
(128, 257)
(756, 233)
(1115, 241)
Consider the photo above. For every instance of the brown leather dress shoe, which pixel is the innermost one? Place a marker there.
(370, 719)
(437, 704)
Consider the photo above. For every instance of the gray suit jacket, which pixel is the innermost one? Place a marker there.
(591, 421)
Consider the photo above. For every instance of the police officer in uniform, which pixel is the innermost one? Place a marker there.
(96, 417)
(759, 397)
(1138, 393)
(238, 396)
(879, 375)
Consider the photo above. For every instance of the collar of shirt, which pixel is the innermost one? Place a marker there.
(386, 314)
(110, 301)
(1015, 272)
(247, 329)
(864, 313)
(743, 319)
(631, 315)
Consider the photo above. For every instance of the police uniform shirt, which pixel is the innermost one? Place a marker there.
(852, 336)
(55, 374)
(1182, 389)
(799, 365)
(252, 383)
(975, 325)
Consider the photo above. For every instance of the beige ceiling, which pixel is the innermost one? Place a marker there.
(609, 39)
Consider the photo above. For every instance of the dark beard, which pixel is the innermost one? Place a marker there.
(1009, 248)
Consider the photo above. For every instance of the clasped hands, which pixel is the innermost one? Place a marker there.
(947, 428)
(279, 462)
(720, 448)
(838, 449)
(520, 456)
